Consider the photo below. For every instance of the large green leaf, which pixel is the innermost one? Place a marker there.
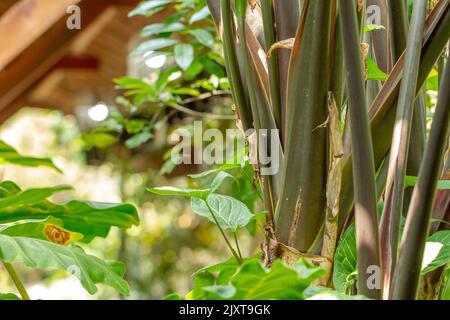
(254, 282)
(89, 218)
(437, 251)
(28, 197)
(437, 254)
(50, 229)
(345, 261)
(229, 212)
(9, 155)
(321, 293)
(39, 254)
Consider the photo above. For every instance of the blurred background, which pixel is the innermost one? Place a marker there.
(83, 82)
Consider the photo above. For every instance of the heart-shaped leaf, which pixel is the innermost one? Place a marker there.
(230, 213)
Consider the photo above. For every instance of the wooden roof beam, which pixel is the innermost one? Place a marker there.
(34, 62)
(25, 22)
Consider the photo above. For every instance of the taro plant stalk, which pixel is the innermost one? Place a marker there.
(419, 214)
(400, 144)
(309, 52)
(363, 163)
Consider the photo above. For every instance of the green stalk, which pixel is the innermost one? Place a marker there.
(236, 256)
(232, 66)
(412, 246)
(259, 100)
(390, 222)
(398, 31)
(287, 15)
(237, 245)
(441, 65)
(382, 111)
(363, 162)
(398, 23)
(301, 207)
(17, 281)
(272, 62)
(214, 8)
(380, 38)
(338, 81)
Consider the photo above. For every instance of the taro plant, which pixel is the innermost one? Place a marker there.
(42, 234)
(331, 70)
(350, 89)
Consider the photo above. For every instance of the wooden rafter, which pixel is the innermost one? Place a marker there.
(25, 22)
(43, 54)
(49, 50)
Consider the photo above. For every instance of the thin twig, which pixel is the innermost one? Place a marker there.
(206, 95)
(201, 114)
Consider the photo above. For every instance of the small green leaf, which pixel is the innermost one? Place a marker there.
(138, 139)
(437, 251)
(158, 28)
(134, 126)
(230, 213)
(203, 13)
(148, 7)
(219, 180)
(99, 139)
(172, 191)
(433, 81)
(441, 184)
(185, 91)
(212, 171)
(184, 55)
(373, 72)
(9, 155)
(203, 36)
(212, 67)
(372, 27)
(154, 44)
(194, 70)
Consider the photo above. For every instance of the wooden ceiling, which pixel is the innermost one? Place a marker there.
(5, 5)
(60, 68)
